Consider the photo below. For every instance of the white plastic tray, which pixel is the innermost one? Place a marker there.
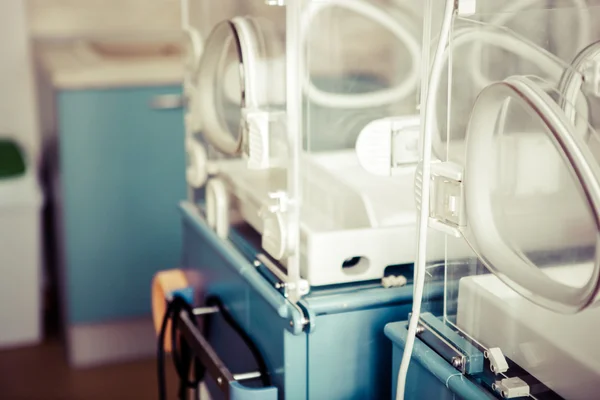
(346, 214)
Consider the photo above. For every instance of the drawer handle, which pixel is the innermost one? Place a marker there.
(228, 383)
(167, 102)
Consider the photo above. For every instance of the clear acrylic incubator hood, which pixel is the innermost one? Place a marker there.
(303, 124)
(509, 181)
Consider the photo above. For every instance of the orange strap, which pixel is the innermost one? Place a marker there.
(163, 284)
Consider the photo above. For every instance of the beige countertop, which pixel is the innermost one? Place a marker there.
(88, 63)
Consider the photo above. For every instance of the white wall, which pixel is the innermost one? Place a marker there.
(18, 109)
(85, 18)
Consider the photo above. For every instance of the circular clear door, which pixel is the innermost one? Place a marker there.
(532, 193)
(242, 69)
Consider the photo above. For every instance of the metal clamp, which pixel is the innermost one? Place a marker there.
(452, 347)
(447, 198)
(286, 287)
(302, 287)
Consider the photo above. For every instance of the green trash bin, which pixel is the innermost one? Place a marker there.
(12, 161)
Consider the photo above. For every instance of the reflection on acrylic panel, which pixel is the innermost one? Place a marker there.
(515, 186)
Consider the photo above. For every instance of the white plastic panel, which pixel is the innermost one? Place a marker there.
(494, 313)
(359, 82)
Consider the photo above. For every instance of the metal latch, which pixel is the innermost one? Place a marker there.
(168, 102)
(256, 124)
(275, 231)
(300, 287)
(591, 77)
(262, 130)
(466, 7)
(454, 348)
(498, 363)
(282, 201)
(510, 388)
(446, 207)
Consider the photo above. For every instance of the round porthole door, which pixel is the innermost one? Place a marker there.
(531, 194)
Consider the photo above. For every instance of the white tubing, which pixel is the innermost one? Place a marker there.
(505, 15)
(376, 98)
(527, 51)
(427, 134)
(498, 37)
(547, 62)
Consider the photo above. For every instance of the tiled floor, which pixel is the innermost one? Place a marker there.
(42, 372)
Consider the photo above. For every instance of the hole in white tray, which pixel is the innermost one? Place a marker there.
(355, 265)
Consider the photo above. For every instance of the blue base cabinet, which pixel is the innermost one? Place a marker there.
(122, 174)
(341, 354)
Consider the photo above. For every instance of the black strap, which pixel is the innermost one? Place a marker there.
(180, 350)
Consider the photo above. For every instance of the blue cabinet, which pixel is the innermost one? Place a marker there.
(342, 353)
(122, 167)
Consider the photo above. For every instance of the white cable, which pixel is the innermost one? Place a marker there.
(502, 39)
(427, 134)
(376, 98)
(505, 15)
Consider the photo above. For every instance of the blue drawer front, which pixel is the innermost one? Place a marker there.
(349, 355)
(283, 352)
(123, 173)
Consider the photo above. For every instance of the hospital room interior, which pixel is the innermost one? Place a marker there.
(299, 199)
